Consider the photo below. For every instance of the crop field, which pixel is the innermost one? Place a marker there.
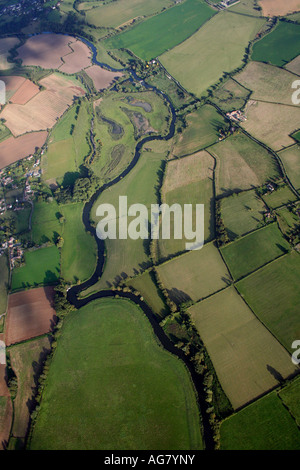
(54, 51)
(13, 149)
(145, 284)
(232, 335)
(4, 274)
(142, 393)
(273, 295)
(188, 180)
(281, 195)
(279, 7)
(164, 31)
(41, 268)
(291, 160)
(246, 7)
(202, 129)
(30, 313)
(290, 397)
(45, 222)
(254, 250)
(194, 275)
(230, 96)
(102, 78)
(294, 65)
(43, 110)
(6, 44)
(185, 62)
(267, 82)
(263, 425)
(280, 46)
(26, 361)
(121, 12)
(241, 164)
(242, 213)
(272, 123)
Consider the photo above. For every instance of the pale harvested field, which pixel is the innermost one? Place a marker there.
(30, 313)
(268, 83)
(12, 84)
(79, 58)
(13, 149)
(188, 170)
(25, 92)
(101, 78)
(45, 50)
(243, 351)
(272, 123)
(43, 110)
(294, 65)
(5, 45)
(279, 7)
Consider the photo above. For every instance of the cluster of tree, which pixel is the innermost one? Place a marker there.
(221, 232)
(80, 191)
(11, 378)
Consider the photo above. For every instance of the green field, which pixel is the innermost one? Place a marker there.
(164, 31)
(273, 294)
(4, 277)
(241, 348)
(241, 164)
(230, 96)
(218, 47)
(263, 425)
(290, 397)
(42, 267)
(116, 13)
(26, 361)
(145, 284)
(254, 250)
(194, 275)
(123, 392)
(202, 130)
(288, 220)
(242, 213)
(291, 160)
(79, 251)
(282, 195)
(280, 46)
(68, 146)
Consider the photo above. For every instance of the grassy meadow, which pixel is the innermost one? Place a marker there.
(273, 294)
(263, 425)
(194, 275)
(254, 250)
(291, 160)
(42, 267)
(242, 213)
(135, 395)
(220, 45)
(241, 164)
(202, 130)
(162, 32)
(281, 196)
